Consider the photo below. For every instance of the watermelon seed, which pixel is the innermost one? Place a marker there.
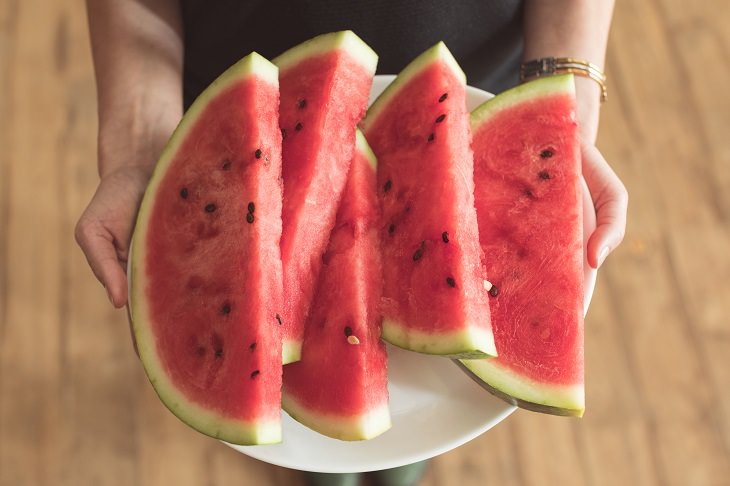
(254, 374)
(487, 285)
(443, 97)
(278, 319)
(388, 185)
(544, 175)
(226, 309)
(302, 103)
(494, 291)
(298, 126)
(283, 133)
(251, 207)
(430, 138)
(210, 208)
(528, 192)
(445, 236)
(226, 164)
(451, 282)
(257, 153)
(184, 193)
(418, 254)
(249, 218)
(219, 353)
(252, 347)
(348, 331)
(353, 340)
(391, 228)
(546, 154)
(440, 118)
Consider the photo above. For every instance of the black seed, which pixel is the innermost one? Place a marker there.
(348, 331)
(391, 228)
(257, 153)
(445, 236)
(430, 138)
(443, 97)
(298, 126)
(254, 374)
(544, 175)
(301, 103)
(251, 207)
(210, 208)
(184, 193)
(451, 282)
(226, 164)
(417, 254)
(226, 309)
(278, 319)
(440, 118)
(249, 218)
(528, 192)
(283, 133)
(218, 353)
(494, 291)
(546, 154)
(388, 185)
(252, 347)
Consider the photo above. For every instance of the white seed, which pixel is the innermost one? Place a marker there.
(487, 285)
(353, 340)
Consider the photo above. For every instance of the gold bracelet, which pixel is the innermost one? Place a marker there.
(550, 66)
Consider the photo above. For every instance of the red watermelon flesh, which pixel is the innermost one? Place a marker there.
(434, 299)
(339, 388)
(529, 205)
(325, 84)
(206, 268)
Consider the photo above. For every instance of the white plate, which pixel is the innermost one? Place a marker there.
(435, 407)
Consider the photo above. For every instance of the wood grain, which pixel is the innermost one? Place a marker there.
(76, 408)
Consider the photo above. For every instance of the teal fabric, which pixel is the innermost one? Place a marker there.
(408, 475)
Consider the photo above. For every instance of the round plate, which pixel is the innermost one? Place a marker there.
(435, 407)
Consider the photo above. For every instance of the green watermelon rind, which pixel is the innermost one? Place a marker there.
(345, 40)
(566, 400)
(362, 146)
(437, 53)
(514, 388)
(199, 418)
(466, 343)
(520, 94)
(363, 426)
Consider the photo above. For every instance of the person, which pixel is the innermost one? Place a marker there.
(152, 57)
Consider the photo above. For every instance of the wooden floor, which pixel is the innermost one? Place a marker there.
(76, 409)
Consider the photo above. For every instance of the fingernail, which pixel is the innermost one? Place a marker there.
(602, 255)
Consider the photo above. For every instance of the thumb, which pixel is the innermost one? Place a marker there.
(610, 199)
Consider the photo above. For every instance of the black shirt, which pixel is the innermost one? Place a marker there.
(484, 36)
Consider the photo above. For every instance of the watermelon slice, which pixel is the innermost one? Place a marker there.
(340, 388)
(529, 205)
(433, 297)
(205, 270)
(325, 84)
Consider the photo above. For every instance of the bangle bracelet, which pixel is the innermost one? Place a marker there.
(550, 66)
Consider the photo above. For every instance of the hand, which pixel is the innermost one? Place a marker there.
(105, 228)
(610, 199)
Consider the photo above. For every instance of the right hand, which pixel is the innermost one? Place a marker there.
(105, 228)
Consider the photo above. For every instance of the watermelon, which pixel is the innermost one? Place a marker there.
(339, 388)
(529, 206)
(434, 299)
(206, 271)
(324, 84)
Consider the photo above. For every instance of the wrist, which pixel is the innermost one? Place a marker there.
(588, 108)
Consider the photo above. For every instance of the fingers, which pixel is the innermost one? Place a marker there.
(610, 199)
(99, 247)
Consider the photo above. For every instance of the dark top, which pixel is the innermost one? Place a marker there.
(485, 36)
